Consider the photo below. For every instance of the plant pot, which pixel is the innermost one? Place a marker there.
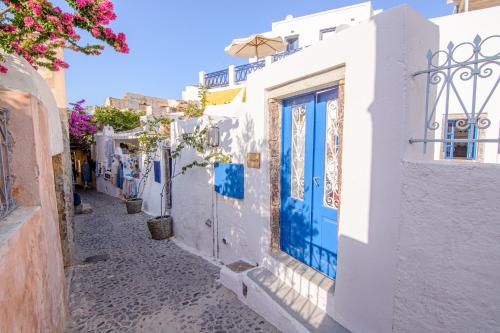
(160, 227)
(134, 206)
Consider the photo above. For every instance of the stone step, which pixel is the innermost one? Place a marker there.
(306, 281)
(269, 295)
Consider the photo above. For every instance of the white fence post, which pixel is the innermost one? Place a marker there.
(268, 60)
(231, 75)
(201, 78)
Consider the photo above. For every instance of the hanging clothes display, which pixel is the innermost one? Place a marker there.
(86, 172)
(110, 152)
(130, 187)
(119, 175)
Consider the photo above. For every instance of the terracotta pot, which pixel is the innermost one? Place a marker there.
(134, 206)
(160, 227)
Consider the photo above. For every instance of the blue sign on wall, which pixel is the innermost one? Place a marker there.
(229, 180)
(157, 171)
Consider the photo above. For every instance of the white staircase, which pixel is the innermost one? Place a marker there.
(290, 295)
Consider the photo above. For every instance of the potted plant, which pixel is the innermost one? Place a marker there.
(161, 227)
(149, 141)
(157, 130)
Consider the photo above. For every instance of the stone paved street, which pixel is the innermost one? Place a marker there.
(131, 283)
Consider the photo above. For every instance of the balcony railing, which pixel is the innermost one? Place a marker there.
(234, 75)
(279, 56)
(241, 72)
(217, 79)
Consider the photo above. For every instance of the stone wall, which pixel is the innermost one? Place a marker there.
(274, 134)
(61, 164)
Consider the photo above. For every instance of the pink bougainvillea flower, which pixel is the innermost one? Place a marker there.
(96, 32)
(80, 124)
(40, 28)
(28, 21)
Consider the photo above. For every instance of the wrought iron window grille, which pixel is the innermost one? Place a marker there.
(441, 87)
(7, 202)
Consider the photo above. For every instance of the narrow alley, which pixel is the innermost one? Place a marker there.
(126, 282)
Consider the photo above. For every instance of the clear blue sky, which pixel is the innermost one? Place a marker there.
(172, 40)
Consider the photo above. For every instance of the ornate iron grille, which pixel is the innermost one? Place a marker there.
(298, 151)
(241, 72)
(334, 121)
(217, 79)
(7, 203)
(462, 79)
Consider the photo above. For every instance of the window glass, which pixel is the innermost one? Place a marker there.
(331, 195)
(292, 43)
(460, 150)
(298, 151)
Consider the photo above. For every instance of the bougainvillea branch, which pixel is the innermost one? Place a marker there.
(81, 125)
(36, 29)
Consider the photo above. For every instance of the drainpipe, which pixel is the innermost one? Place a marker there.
(466, 5)
(215, 220)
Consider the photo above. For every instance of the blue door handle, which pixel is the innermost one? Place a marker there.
(316, 181)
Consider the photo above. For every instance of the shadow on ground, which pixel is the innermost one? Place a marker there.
(127, 282)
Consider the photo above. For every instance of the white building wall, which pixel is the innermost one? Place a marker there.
(377, 99)
(237, 225)
(308, 27)
(153, 201)
(192, 195)
(448, 256)
(384, 108)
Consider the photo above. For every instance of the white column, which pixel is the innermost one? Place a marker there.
(466, 5)
(268, 60)
(201, 78)
(231, 75)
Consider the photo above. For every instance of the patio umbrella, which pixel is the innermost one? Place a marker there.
(255, 46)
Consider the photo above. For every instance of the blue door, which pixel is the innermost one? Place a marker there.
(309, 179)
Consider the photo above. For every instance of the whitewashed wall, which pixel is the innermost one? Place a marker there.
(153, 202)
(384, 108)
(308, 27)
(378, 56)
(238, 222)
(23, 77)
(448, 257)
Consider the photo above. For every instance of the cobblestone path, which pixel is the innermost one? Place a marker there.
(131, 283)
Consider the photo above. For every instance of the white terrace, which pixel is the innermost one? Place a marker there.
(298, 33)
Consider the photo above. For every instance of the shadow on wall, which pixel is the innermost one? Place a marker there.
(196, 186)
(240, 222)
(375, 140)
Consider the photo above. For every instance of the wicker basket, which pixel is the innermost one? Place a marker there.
(134, 206)
(160, 227)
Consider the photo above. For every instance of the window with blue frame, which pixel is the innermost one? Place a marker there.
(461, 150)
(292, 43)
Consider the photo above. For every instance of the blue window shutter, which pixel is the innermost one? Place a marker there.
(229, 180)
(157, 171)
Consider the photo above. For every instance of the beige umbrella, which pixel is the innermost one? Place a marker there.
(255, 46)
